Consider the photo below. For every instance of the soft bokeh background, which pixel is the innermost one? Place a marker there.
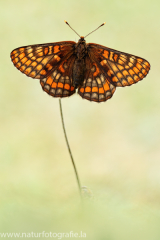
(116, 145)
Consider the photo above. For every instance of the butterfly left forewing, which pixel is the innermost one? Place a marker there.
(52, 63)
(38, 61)
(123, 69)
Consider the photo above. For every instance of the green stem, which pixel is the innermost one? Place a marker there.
(69, 149)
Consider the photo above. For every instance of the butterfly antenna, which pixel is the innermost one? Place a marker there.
(71, 28)
(95, 29)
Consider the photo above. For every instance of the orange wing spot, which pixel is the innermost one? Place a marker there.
(50, 48)
(22, 55)
(32, 74)
(29, 50)
(15, 55)
(22, 68)
(136, 70)
(130, 64)
(39, 67)
(109, 73)
(49, 80)
(40, 54)
(106, 54)
(114, 67)
(28, 70)
(57, 58)
(114, 79)
(144, 71)
(111, 56)
(14, 52)
(119, 75)
(81, 90)
(67, 86)
(43, 72)
(18, 64)
(24, 60)
(56, 49)
(39, 59)
(95, 89)
(123, 58)
(130, 80)
(101, 90)
(103, 62)
(28, 62)
(96, 71)
(30, 55)
(136, 78)
(15, 60)
(106, 86)
(21, 49)
(46, 50)
(60, 85)
(131, 72)
(87, 89)
(120, 67)
(49, 66)
(33, 58)
(34, 64)
(147, 63)
(61, 68)
(141, 75)
(124, 83)
(139, 66)
(72, 88)
(139, 59)
(127, 66)
(115, 57)
(125, 73)
(54, 85)
(44, 61)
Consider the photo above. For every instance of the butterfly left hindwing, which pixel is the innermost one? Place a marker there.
(60, 83)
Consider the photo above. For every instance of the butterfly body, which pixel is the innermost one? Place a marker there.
(95, 70)
(79, 64)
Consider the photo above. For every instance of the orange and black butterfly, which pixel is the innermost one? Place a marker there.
(94, 70)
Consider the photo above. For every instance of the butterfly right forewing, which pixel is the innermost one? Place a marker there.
(122, 69)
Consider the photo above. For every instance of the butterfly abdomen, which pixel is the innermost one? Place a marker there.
(79, 64)
(78, 72)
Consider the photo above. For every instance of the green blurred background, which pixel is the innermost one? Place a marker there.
(116, 144)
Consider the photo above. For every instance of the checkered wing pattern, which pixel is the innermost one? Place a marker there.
(121, 69)
(97, 86)
(51, 63)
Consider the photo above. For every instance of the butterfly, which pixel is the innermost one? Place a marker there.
(92, 69)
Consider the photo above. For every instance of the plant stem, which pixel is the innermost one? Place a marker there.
(69, 149)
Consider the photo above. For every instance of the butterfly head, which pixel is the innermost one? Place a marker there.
(81, 39)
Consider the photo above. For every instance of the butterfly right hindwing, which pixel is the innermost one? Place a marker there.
(96, 86)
